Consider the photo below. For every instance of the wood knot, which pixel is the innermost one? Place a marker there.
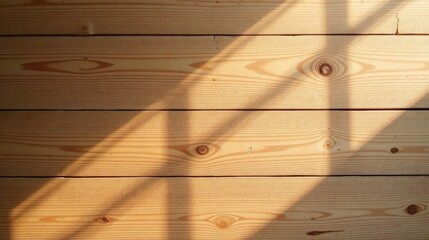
(224, 221)
(202, 149)
(197, 150)
(412, 209)
(329, 143)
(104, 220)
(394, 150)
(325, 69)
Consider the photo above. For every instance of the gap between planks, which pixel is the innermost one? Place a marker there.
(221, 176)
(214, 35)
(219, 110)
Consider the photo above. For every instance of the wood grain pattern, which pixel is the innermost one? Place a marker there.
(218, 208)
(214, 73)
(238, 143)
(126, 173)
(89, 17)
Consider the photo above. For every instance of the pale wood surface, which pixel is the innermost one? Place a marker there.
(239, 143)
(214, 72)
(119, 168)
(217, 208)
(88, 17)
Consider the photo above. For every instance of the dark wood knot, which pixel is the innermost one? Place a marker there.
(412, 209)
(202, 149)
(325, 69)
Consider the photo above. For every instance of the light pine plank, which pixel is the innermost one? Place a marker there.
(410, 15)
(216, 208)
(214, 72)
(87, 17)
(237, 143)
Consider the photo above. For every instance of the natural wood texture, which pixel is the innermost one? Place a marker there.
(217, 208)
(237, 143)
(88, 17)
(214, 73)
(214, 174)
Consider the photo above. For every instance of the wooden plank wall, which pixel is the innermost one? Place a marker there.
(147, 119)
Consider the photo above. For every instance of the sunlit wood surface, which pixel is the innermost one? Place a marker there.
(239, 143)
(86, 17)
(220, 208)
(214, 72)
(179, 119)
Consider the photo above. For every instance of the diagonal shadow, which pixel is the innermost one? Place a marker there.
(274, 92)
(78, 151)
(316, 221)
(303, 220)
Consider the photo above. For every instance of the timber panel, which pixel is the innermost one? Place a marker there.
(218, 208)
(180, 119)
(90, 17)
(238, 142)
(214, 73)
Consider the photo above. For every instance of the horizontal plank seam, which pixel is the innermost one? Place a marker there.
(224, 176)
(217, 35)
(217, 110)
